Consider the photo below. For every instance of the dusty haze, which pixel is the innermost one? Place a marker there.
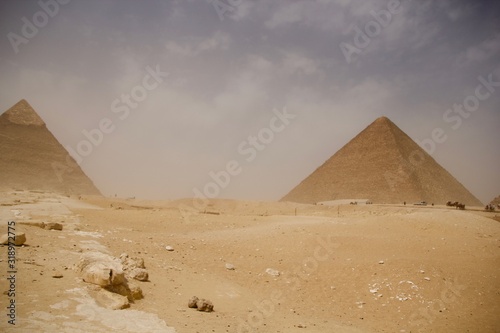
(227, 74)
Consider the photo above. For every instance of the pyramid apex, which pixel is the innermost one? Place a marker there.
(382, 119)
(22, 113)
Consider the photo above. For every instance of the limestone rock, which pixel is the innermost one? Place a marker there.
(129, 262)
(52, 226)
(139, 274)
(19, 239)
(200, 304)
(101, 269)
(128, 289)
(192, 302)
(134, 267)
(135, 291)
(204, 305)
(110, 300)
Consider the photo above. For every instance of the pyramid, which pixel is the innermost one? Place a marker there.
(495, 201)
(384, 165)
(33, 159)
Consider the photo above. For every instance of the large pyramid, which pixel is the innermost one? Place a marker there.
(31, 158)
(384, 165)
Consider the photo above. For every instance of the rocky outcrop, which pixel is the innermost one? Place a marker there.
(108, 273)
(101, 269)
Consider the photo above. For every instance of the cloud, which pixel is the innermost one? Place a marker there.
(196, 46)
(484, 51)
(456, 10)
(292, 13)
(242, 11)
(295, 63)
(323, 15)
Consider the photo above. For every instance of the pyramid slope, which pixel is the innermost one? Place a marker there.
(29, 153)
(376, 165)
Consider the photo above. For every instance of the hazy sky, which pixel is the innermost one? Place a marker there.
(327, 67)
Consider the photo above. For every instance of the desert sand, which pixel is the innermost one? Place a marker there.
(363, 268)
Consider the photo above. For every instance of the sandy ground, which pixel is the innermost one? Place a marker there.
(348, 268)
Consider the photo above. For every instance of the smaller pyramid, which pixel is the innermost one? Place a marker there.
(22, 114)
(384, 165)
(31, 158)
(495, 201)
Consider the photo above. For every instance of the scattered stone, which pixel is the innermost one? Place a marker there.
(230, 267)
(202, 304)
(139, 274)
(52, 226)
(169, 248)
(272, 272)
(57, 275)
(381, 262)
(192, 302)
(19, 239)
(427, 278)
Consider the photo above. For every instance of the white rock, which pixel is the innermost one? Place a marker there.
(169, 248)
(381, 262)
(272, 272)
(110, 300)
(230, 267)
(101, 269)
(427, 278)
